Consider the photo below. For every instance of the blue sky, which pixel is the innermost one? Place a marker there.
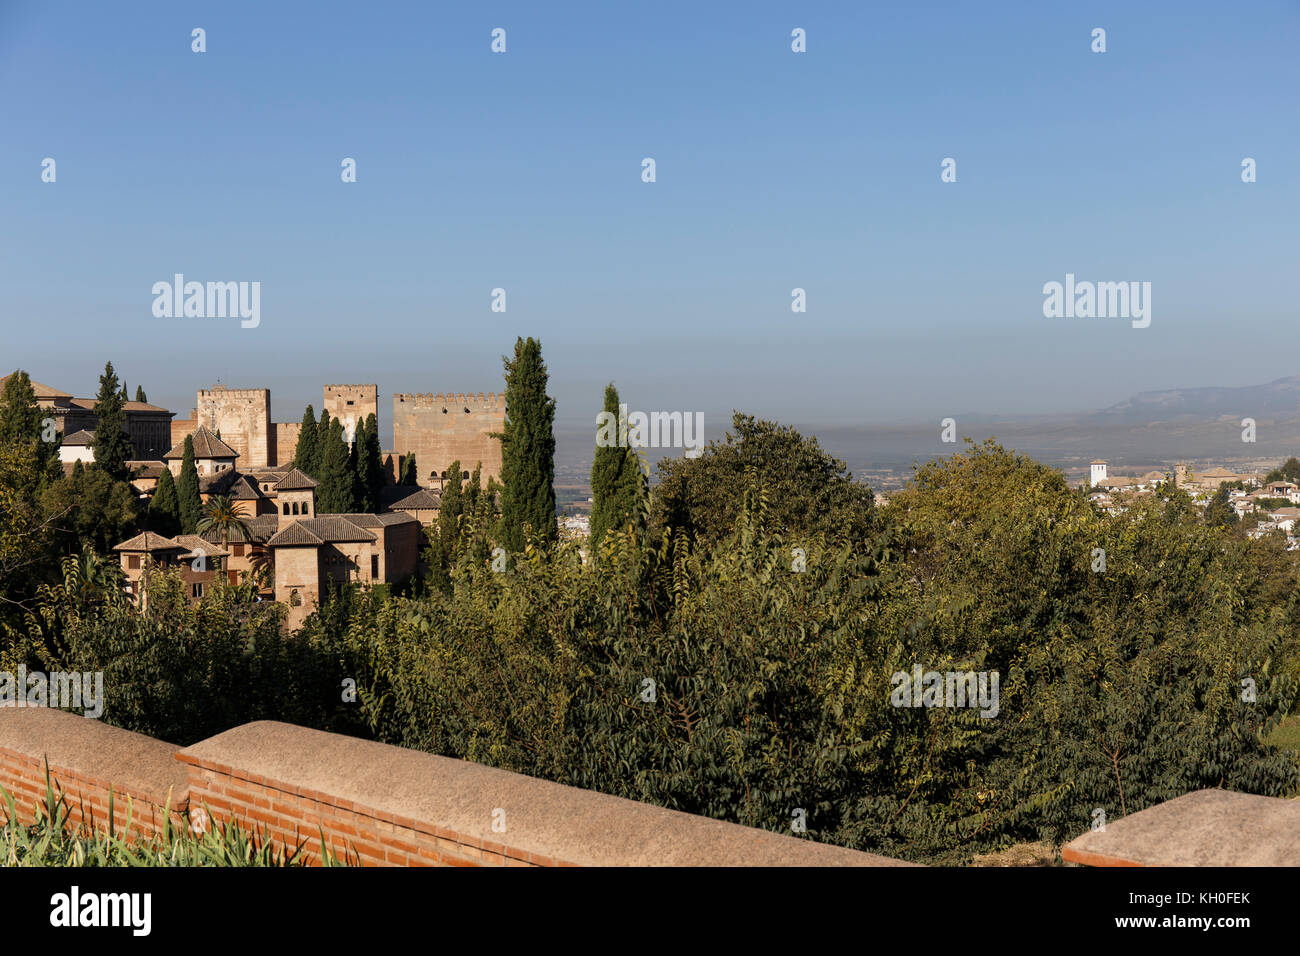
(775, 170)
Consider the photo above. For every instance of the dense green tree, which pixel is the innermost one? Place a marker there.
(23, 424)
(617, 481)
(334, 494)
(187, 490)
(370, 464)
(527, 450)
(1219, 513)
(111, 447)
(165, 506)
(1289, 470)
(354, 466)
(799, 487)
(140, 396)
(306, 455)
(94, 510)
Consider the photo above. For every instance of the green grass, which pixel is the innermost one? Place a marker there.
(53, 840)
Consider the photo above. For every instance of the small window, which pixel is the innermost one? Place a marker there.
(295, 507)
(196, 590)
(374, 565)
(464, 474)
(133, 562)
(286, 507)
(295, 599)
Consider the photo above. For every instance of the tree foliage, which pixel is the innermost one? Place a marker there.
(528, 450)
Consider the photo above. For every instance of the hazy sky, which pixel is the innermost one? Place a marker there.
(775, 170)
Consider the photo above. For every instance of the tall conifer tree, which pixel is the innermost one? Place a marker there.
(187, 490)
(334, 495)
(527, 449)
(616, 477)
(306, 454)
(165, 507)
(111, 447)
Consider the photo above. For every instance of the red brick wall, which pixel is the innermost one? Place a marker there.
(294, 815)
(86, 796)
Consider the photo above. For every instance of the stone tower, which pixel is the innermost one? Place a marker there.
(243, 417)
(440, 428)
(351, 405)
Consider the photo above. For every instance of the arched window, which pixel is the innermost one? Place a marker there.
(295, 507)
(295, 599)
(286, 507)
(465, 475)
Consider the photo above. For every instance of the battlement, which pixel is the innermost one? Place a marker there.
(491, 400)
(221, 392)
(360, 387)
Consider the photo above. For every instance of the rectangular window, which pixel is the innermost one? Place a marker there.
(196, 590)
(133, 562)
(374, 565)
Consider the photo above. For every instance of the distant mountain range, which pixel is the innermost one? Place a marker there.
(1278, 399)
(1151, 430)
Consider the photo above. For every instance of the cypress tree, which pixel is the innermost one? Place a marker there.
(165, 506)
(306, 454)
(527, 449)
(372, 464)
(24, 423)
(20, 416)
(334, 496)
(354, 468)
(450, 510)
(187, 490)
(110, 445)
(139, 395)
(616, 483)
(322, 441)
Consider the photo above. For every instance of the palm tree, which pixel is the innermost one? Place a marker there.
(220, 514)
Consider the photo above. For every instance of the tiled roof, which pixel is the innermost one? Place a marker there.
(83, 437)
(244, 490)
(380, 520)
(42, 391)
(192, 542)
(148, 541)
(295, 480)
(405, 497)
(320, 530)
(146, 469)
(206, 445)
(129, 406)
(261, 529)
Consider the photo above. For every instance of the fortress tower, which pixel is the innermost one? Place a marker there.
(440, 428)
(351, 404)
(1098, 474)
(243, 417)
